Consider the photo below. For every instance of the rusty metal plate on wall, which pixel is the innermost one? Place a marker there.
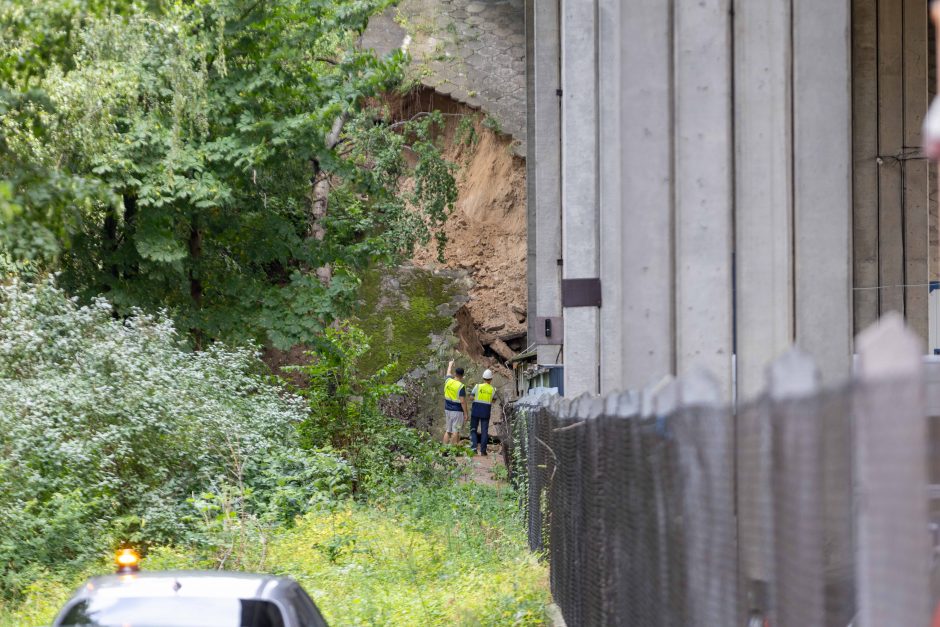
(581, 293)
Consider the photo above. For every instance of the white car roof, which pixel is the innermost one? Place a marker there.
(211, 584)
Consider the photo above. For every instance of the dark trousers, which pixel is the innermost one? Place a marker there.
(476, 439)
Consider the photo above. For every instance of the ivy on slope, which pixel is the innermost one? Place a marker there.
(400, 317)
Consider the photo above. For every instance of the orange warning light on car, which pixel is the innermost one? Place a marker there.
(127, 561)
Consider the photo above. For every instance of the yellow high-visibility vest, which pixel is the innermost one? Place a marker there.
(452, 389)
(484, 394)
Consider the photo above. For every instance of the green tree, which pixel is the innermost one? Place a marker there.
(227, 160)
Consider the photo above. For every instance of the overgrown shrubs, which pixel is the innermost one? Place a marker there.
(111, 431)
(343, 397)
(203, 156)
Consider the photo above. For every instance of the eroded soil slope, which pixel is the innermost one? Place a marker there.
(487, 232)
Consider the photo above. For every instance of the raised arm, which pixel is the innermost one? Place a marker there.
(450, 368)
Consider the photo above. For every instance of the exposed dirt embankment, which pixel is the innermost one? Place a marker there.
(487, 231)
(470, 308)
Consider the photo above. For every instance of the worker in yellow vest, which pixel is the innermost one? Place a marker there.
(455, 404)
(482, 394)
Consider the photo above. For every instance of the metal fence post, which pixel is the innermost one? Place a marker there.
(705, 438)
(754, 493)
(799, 530)
(890, 438)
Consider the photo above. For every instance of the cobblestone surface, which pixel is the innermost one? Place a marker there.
(470, 50)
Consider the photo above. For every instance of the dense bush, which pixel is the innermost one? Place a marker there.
(111, 431)
(344, 393)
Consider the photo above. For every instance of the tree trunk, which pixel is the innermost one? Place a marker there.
(195, 253)
(111, 252)
(130, 210)
(320, 182)
(320, 204)
(132, 269)
(195, 283)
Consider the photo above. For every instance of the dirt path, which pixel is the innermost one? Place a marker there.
(487, 470)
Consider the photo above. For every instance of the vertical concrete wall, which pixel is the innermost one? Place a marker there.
(544, 169)
(891, 181)
(669, 179)
(579, 187)
(763, 189)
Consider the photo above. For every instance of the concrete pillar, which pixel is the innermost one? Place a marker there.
(611, 214)
(703, 196)
(763, 189)
(638, 227)
(543, 167)
(865, 162)
(654, 198)
(530, 193)
(890, 93)
(579, 188)
(916, 172)
(822, 183)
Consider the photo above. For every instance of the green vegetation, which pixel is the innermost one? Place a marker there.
(111, 431)
(492, 124)
(399, 321)
(453, 555)
(466, 131)
(448, 556)
(344, 413)
(223, 159)
(182, 183)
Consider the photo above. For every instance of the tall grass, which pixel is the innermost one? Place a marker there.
(451, 554)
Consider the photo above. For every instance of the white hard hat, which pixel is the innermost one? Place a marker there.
(487, 374)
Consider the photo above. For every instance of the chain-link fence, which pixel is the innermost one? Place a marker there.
(804, 508)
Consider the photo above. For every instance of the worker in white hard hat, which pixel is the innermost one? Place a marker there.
(482, 395)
